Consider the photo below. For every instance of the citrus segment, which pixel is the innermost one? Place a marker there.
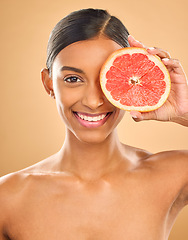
(133, 79)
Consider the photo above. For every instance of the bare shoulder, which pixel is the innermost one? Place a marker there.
(14, 182)
(172, 162)
(10, 187)
(177, 159)
(174, 159)
(172, 167)
(16, 188)
(138, 154)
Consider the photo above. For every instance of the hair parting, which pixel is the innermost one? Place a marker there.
(82, 25)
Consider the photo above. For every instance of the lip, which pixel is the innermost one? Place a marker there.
(92, 124)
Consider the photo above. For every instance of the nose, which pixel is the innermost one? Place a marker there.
(93, 96)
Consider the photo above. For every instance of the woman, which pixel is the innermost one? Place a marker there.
(96, 187)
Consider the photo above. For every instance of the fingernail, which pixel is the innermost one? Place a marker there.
(131, 36)
(165, 59)
(134, 116)
(134, 38)
(151, 48)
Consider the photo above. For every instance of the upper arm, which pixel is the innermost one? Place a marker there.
(7, 198)
(3, 208)
(172, 166)
(181, 166)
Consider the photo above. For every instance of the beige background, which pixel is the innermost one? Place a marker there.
(30, 126)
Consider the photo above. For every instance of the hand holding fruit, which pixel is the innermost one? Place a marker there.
(176, 107)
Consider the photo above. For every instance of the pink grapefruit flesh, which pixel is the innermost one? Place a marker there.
(134, 80)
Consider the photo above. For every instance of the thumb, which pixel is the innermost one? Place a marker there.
(140, 116)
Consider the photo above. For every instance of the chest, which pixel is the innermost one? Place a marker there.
(86, 213)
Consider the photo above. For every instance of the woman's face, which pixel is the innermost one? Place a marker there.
(87, 113)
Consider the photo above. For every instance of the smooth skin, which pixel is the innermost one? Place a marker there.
(96, 188)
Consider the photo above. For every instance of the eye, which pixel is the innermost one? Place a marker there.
(72, 79)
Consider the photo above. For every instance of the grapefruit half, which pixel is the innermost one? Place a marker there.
(134, 80)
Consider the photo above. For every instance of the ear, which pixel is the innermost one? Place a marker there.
(47, 82)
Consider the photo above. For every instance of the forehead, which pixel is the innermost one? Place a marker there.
(86, 53)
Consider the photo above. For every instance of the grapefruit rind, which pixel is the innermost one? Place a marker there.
(130, 50)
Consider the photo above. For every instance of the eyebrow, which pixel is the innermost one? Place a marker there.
(64, 68)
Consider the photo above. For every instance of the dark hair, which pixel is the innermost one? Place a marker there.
(82, 25)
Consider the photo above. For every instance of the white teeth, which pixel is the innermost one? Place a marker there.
(81, 116)
(92, 119)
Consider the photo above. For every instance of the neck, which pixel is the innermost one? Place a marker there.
(91, 160)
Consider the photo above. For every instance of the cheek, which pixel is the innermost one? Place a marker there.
(67, 97)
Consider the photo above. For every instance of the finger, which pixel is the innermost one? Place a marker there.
(173, 64)
(159, 52)
(135, 43)
(138, 116)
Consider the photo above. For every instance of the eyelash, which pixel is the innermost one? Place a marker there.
(70, 79)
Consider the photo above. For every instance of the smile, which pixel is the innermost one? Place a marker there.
(92, 120)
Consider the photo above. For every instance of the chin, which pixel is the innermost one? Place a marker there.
(90, 137)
